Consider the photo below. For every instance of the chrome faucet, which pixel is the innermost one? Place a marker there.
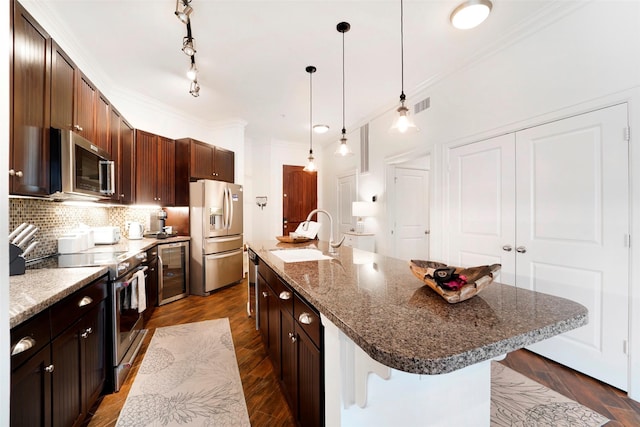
(332, 245)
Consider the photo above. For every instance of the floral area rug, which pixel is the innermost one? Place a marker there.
(519, 401)
(189, 375)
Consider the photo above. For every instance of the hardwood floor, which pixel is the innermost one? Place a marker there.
(266, 403)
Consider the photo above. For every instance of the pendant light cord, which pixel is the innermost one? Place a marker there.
(344, 131)
(402, 96)
(310, 114)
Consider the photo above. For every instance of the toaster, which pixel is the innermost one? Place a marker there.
(106, 235)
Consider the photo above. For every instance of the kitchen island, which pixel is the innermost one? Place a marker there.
(432, 358)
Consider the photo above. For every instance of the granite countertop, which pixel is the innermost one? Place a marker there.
(39, 289)
(400, 322)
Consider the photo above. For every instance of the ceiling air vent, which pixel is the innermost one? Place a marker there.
(364, 148)
(422, 105)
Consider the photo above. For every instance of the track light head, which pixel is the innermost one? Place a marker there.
(194, 90)
(188, 46)
(183, 15)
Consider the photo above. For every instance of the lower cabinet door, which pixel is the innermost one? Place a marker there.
(66, 351)
(289, 375)
(310, 381)
(93, 334)
(31, 391)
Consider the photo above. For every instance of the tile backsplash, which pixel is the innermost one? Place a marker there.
(55, 219)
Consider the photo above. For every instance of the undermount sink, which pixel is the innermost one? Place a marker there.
(299, 255)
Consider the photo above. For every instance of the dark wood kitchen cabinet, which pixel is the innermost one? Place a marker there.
(151, 284)
(293, 335)
(123, 152)
(155, 168)
(78, 353)
(61, 370)
(198, 160)
(102, 122)
(63, 88)
(86, 101)
(29, 133)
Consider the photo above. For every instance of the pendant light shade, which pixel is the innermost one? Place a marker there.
(403, 122)
(311, 166)
(343, 149)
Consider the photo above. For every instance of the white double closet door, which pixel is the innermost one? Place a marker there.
(551, 204)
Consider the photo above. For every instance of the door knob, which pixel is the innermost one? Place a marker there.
(521, 249)
(507, 248)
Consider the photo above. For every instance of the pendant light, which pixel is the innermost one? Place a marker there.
(343, 148)
(311, 166)
(403, 123)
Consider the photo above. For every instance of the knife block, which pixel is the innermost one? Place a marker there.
(16, 262)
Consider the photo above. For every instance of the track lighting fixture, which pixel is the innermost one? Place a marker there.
(194, 89)
(192, 74)
(188, 46)
(183, 10)
(311, 166)
(403, 123)
(343, 148)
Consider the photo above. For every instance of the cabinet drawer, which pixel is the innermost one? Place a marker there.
(29, 337)
(75, 306)
(308, 319)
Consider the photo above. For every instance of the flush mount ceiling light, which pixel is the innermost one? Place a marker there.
(183, 10)
(343, 148)
(403, 122)
(470, 14)
(321, 129)
(311, 166)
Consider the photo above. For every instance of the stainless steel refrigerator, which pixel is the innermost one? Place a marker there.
(215, 217)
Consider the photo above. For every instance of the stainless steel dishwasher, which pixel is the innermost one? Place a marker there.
(173, 272)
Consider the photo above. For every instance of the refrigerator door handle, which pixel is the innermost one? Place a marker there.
(223, 255)
(223, 239)
(230, 208)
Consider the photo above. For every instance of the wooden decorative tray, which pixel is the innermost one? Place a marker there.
(289, 239)
(477, 278)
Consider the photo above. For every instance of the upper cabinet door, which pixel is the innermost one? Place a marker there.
(165, 186)
(63, 88)
(28, 167)
(224, 165)
(202, 160)
(103, 113)
(86, 101)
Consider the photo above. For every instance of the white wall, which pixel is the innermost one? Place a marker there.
(587, 59)
(264, 171)
(4, 213)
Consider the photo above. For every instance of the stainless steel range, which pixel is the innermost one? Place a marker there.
(126, 329)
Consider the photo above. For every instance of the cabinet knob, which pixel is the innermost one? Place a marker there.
(78, 128)
(49, 368)
(507, 248)
(23, 345)
(285, 295)
(305, 318)
(292, 337)
(86, 333)
(12, 172)
(521, 249)
(265, 294)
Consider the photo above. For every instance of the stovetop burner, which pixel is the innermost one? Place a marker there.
(118, 262)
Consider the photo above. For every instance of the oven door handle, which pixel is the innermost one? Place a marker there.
(121, 283)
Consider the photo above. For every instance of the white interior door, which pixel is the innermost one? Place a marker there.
(572, 233)
(347, 193)
(481, 205)
(411, 206)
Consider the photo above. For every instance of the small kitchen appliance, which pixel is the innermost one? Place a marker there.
(157, 222)
(106, 235)
(136, 230)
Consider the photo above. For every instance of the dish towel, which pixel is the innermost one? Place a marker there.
(132, 293)
(142, 291)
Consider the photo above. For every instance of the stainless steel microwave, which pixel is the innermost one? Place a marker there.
(79, 169)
